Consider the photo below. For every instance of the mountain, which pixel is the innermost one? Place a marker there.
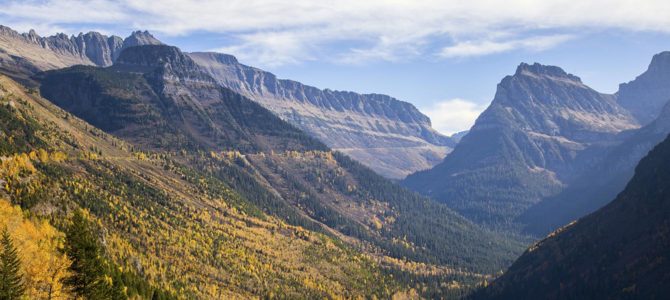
(645, 96)
(601, 183)
(220, 224)
(388, 135)
(157, 97)
(621, 251)
(159, 100)
(28, 53)
(542, 129)
(163, 224)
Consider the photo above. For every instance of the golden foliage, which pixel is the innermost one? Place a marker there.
(37, 243)
(16, 166)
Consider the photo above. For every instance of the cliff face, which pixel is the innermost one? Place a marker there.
(540, 131)
(24, 54)
(645, 96)
(388, 135)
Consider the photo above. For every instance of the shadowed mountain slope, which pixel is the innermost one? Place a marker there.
(602, 182)
(621, 251)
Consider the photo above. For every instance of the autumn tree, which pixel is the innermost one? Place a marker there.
(11, 281)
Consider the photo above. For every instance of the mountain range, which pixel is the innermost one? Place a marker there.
(24, 54)
(388, 135)
(171, 165)
(191, 175)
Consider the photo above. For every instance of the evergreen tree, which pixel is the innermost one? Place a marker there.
(89, 278)
(11, 282)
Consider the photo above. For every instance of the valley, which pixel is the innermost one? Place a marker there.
(131, 168)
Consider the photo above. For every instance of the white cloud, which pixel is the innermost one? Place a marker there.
(486, 47)
(270, 49)
(453, 115)
(378, 29)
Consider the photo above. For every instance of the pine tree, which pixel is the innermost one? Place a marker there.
(89, 278)
(11, 281)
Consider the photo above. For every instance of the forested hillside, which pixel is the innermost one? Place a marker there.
(172, 229)
(621, 251)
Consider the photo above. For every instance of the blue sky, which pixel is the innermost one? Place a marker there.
(446, 57)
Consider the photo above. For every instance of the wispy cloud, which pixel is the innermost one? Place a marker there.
(378, 29)
(453, 115)
(486, 47)
(270, 48)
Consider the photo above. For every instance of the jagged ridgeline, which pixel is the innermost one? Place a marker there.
(210, 195)
(388, 135)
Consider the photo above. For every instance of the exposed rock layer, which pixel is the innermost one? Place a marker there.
(390, 136)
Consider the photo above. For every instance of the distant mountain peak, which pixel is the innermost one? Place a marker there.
(525, 146)
(141, 38)
(538, 69)
(150, 55)
(144, 36)
(645, 96)
(660, 62)
(29, 52)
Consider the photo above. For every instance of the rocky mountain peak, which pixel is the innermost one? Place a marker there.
(167, 61)
(138, 38)
(153, 56)
(660, 62)
(4, 30)
(96, 47)
(645, 96)
(538, 91)
(541, 70)
(525, 146)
